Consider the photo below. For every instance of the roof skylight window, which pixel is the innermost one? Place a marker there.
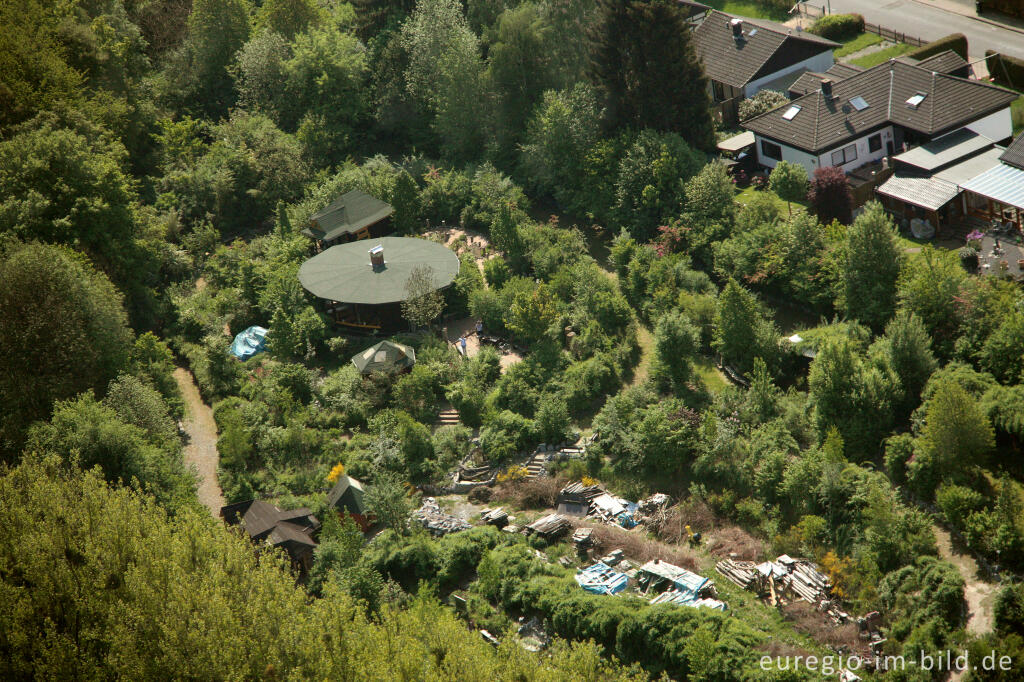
(791, 112)
(916, 99)
(859, 103)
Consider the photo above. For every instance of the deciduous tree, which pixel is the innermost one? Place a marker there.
(872, 267)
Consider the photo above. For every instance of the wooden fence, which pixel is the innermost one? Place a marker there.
(815, 11)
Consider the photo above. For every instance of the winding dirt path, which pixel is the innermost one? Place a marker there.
(979, 595)
(201, 449)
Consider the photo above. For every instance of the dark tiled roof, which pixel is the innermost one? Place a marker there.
(1014, 154)
(347, 494)
(810, 81)
(347, 214)
(771, 48)
(822, 124)
(945, 62)
(261, 519)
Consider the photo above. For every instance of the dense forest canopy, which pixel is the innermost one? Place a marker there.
(159, 161)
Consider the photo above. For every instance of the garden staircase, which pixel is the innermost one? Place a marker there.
(446, 417)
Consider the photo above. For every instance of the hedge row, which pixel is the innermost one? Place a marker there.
(838, 26)
(1012, 7)
(955, 41)
(1005, 70)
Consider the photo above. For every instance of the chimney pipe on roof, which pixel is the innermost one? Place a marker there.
(737, 28)
(826, 88)
(377, 256)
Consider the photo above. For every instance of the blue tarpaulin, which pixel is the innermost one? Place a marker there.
(601, 579)
(250, 342)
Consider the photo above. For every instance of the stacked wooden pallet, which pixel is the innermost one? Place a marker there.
(550, 526)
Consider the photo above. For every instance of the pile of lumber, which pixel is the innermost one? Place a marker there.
(583, 537)
(474, 474)
(743, 573)
(436, 521)
(549, 527)
(806, 580)
(579, 491)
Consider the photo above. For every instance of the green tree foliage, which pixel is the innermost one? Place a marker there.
(216, 31)
(644, 61)
(423, 302)
(650, 185)
(387, 500)
(676, 342)
(763, 102)
(446, 75)
(788, 180)
(63, 330)
(288, 17)
(559, 134)
(520, 64)
(68, 186)
(909, 352)
(531, 314)
(742, 332)
(94, 570)
(710, 209)
(928, 287)
(872, 267)
(129, 439)
(956, 433)
(853, 396)
(33, 61)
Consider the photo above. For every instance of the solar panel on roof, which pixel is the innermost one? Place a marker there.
(791, 112)
(859, 103)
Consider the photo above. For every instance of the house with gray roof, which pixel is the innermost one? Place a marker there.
(354, 215)
(877, 112)
(743, 56)
(265, 523)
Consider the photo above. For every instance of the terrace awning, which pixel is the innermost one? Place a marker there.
(1003, 183)
(928, 193)
(737, 142)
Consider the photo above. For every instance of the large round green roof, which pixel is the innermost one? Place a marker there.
(344, 273)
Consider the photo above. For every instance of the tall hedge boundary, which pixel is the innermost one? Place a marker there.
(1014, 8)
(955, 41)
(1005, 70)
(838, 27)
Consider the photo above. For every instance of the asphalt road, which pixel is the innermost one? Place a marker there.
(928, 22)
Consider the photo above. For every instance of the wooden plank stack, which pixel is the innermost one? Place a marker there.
(549, 527)
(742, 573)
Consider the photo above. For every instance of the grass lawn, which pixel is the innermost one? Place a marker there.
(744, 195)
(746, 9)
(876, 58)
(858, 43)
(706, 370)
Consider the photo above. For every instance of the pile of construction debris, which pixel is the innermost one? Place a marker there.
(672, 584)
(582, 500)
(575, 498)
(783, 576)
(549, 527)
(436, 521)
(652, 506)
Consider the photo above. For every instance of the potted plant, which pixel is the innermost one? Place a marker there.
(974, 240)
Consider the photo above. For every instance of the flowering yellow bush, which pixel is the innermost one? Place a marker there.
(514, 473)
(336, 473)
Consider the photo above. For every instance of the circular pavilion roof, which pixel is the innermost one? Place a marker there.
(343, 273)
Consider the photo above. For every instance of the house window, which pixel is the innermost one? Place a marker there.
(875, 142)
(845, 155)
(771, 150)
(718, 90)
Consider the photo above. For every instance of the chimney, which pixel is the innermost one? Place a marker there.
(826, 88)
(737, 29)
(377, 257)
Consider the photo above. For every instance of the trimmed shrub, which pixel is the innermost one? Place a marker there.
(838, 26)
(1005, 70)
(954, 41)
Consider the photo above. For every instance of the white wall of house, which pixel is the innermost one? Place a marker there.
(864, 154)
(817, 63)
(811, 162)
(789, 154)
(997, 126)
